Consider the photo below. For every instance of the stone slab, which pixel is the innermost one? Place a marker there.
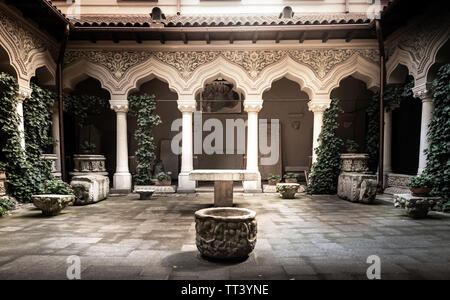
(223, 175)
(357, 187)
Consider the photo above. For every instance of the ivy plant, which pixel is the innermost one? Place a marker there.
(438, 153)
(325, 171)
(143, 107)
(81, 106)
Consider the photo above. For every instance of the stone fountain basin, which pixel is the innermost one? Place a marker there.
(225, 233)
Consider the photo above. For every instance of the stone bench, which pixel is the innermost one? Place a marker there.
(223, 182)
(90, 188)
(416, 207)
(145, 191)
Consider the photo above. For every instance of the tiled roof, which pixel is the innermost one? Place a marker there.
(219, 20)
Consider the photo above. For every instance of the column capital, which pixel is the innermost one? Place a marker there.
(318, 107)
(187, 106)
(253, 106)
(423, 92)
(24, 92)
(119, 105)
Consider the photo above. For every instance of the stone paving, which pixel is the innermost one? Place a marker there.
(319, 237)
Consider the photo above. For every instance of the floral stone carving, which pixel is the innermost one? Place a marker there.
(90, 188)
(88, 164)
(287, 190)
(225, 232)
(355, 183)
(416, 207)
(52, 205)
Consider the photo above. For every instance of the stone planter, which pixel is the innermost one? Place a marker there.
(52, 205)
(52, 158)
(87, 164)
(420, 192)
(227, 233)
(355, 162)
(90, 188)
(164, 182)
(273, 182)
(416, 207)
(2, 183)
(290, 181)
(287, 190)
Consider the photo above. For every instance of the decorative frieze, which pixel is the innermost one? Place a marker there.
(253, 62)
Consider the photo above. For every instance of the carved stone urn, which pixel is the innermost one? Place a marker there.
(225, 233)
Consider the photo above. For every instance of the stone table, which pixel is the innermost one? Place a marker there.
(416, 207)
(223, 182)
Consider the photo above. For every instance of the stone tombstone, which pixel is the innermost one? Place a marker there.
(90, 188)
(356, 183)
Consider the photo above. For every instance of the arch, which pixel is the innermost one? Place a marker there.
(399, 57)
(357, 67)
(292, 70)
(82, 69)
(12, 54)
(150, 69)
(5, 63)
(220, 67)
(42, 60)
(399, 74)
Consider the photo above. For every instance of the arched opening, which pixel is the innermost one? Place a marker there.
(285, 102)
(44, 78)
(97, 128)
(442, 58)
(354, 99)
(5, 65)
(220, 102)
(167, 109)
(399, 75)
(406, 120)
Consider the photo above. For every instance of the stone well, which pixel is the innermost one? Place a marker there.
(89, 164)
(226, 233)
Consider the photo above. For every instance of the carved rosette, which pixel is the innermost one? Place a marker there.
(225, 232)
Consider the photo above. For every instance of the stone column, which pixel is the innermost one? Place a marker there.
(24, 93)
(387, 157)
(427, 115)
(122, 177)
(187, 158)
(252, 108)
(318, 108)
(55, 135)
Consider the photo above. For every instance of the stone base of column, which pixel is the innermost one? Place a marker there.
(253, 186)
(184, 184)
(122, 182)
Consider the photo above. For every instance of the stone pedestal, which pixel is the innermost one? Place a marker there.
(416, 207)
(89, 164)
(355, 183)
(223, 193)
(53, 158)
(52, 205)
(90, 188)
(145, 191)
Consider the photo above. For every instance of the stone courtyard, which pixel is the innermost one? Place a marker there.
(311, 237)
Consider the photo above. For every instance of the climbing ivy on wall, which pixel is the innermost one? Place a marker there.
(325, 171)
(80, 106)
(392, 97)
(143, 107)
(438, 153)
(25, 170)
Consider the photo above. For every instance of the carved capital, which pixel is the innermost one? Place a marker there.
(423, 94)
(252, 106)
(187, 106)
(24, 93)
(318, 107)
(120, 107)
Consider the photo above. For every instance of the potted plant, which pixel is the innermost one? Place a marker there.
(54, 196)
(87, 147)
(274, 179)
(164, 179)
(290, 178)
(421, 185)
(351, 146)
